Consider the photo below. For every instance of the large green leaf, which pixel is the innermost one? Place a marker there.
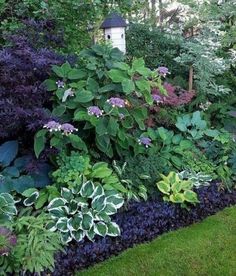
(83, 96)
(76, 74)
(117, 75)
(128, 86)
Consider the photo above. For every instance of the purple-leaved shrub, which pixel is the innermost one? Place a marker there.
(23, 99)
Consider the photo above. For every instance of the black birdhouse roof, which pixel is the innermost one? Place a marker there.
(113, 20)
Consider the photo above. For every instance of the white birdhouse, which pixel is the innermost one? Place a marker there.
(114, 31)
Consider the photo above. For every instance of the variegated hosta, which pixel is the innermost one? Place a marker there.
(85, 212)
(7, 207)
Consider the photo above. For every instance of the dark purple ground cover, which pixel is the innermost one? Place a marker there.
(142, 222)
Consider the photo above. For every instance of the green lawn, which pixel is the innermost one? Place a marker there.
(206, 248)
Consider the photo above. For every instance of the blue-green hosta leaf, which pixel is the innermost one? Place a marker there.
(110, 209)
(31, 199)
(74, 224)
(8, 152)
(58, 212)
(87, 189)
(57, 202)
(164, 187)
(99, 191)
(113, 229)
(78, 235)
(66, 194)
(101, 229)
(103, 217)
(99, 203)
(62, 224)
(87, 221)
(117, 200)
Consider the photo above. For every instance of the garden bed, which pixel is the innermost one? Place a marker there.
(142, 222)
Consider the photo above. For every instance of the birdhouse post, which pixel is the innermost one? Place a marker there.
(114, 31)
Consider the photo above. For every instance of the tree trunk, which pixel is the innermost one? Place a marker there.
(160, 14)
(153, 13)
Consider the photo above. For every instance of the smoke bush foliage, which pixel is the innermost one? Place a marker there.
(23, 67)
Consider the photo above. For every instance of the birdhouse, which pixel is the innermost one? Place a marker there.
(114, 31)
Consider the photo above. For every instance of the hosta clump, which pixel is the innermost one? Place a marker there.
(85, 212)
(177, 190)
(198, 179)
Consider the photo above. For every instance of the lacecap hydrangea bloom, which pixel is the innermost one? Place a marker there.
(116, 102)
(95, 111)
(65, 128)
(163, 71)
(146, 141)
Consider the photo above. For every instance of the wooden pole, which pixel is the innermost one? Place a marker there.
(190, 80)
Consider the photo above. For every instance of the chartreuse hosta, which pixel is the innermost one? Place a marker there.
(85, 211)
(177, 190)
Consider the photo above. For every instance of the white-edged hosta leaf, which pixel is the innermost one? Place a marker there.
(99, 203)
(62, 224)
(87, 221)
(82, 202)
(66, 194)
(57, 202)
(99, 191)
(117, 200)
(73, 206)
(103, 216)
(32, 199)
(78, 235)
(9, 210)
(51, 226)
(101, 229)
(6, 199)
(58, 212)
(110, 209)
(74, 224)
(66, 238)
(113, 229)
(90, 234)
(87, 189)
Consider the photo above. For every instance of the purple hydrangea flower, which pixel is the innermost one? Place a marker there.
(116, 102)
(52, 126)
(95, 110)
(68, 129)
(145, 141)
(60, 84)
(163, 71)
(9, 240)
(157, 98)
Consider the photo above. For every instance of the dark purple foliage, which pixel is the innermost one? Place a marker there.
(140, 223)
(23, 99)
